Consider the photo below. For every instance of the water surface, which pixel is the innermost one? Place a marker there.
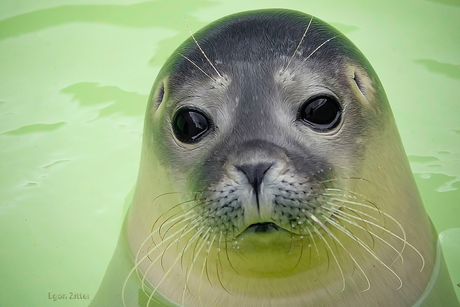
(74, 81)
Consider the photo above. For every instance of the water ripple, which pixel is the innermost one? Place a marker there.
(447, 69)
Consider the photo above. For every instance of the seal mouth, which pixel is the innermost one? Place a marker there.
(263, 228)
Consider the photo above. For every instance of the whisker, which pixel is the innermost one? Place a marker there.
(136, 265)
(172, 220)
(196, 235)
(328, 247)
(298, 46)
(345, 178)
(167, 247)
(205, 268)
(313, 240)
(355, 196)
(159, 256)
(338, 211)
(195, 240)
(228, 258)
(208, 250)
(219, 262)
(144, 276)
(209, 61)
(192, 222)
(165, 213)
(344, 230)
(195, 254)
(168, 194)
(373, 234)
(180, 219)
(147, 256)
(184, 220)
(342, 213)
(358, 213)
(176, 260)
(301, 251)
(319, 47)
(290, 246)
(403, 239)
(194, 64)
(372, 253)
(310, 256)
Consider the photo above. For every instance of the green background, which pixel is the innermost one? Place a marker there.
(74, 81)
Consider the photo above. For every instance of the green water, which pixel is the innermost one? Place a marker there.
(74, 80)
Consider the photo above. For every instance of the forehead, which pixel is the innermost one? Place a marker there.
(259, 38)
(257, 51)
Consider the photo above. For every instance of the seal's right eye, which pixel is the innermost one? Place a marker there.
(189, 125)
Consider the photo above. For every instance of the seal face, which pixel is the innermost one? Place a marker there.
(272, 174)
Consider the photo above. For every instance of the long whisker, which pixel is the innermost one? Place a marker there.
(301, 251)
(182, 219)
(192, 222)
(160, 256)
(374, 207)
(219, 264)
(170, 193)
(137, 263)
(403, 239)
(330, 249)
(165, 213)
(347, 232)
(355, 196)
(167, 247)
(228, 257)
(204, 237)
(195, 239)
(298, 46)
(195, 236)
(208, 250)
(194, 64)
(290, 246)
(328, 40)
(358, 214)
(366, 247)
(343, 216)
(312, 238)
(209, 61)
(176, 260)
(171, 222)
(205, 268)
(344, 178)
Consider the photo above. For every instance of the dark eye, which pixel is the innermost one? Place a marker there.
(321, 113)
(189, 125)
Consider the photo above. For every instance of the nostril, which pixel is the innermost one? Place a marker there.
(254, 173)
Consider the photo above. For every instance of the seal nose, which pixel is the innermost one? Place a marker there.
(255, 174)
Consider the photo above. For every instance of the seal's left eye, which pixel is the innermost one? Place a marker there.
(189, 125)
(322, 113)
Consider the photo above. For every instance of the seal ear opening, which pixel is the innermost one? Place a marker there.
(363, 83)
(358, 82)
(160, 93)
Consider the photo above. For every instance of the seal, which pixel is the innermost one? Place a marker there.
(272, 174)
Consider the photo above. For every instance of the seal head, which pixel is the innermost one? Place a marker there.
(272, 173)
